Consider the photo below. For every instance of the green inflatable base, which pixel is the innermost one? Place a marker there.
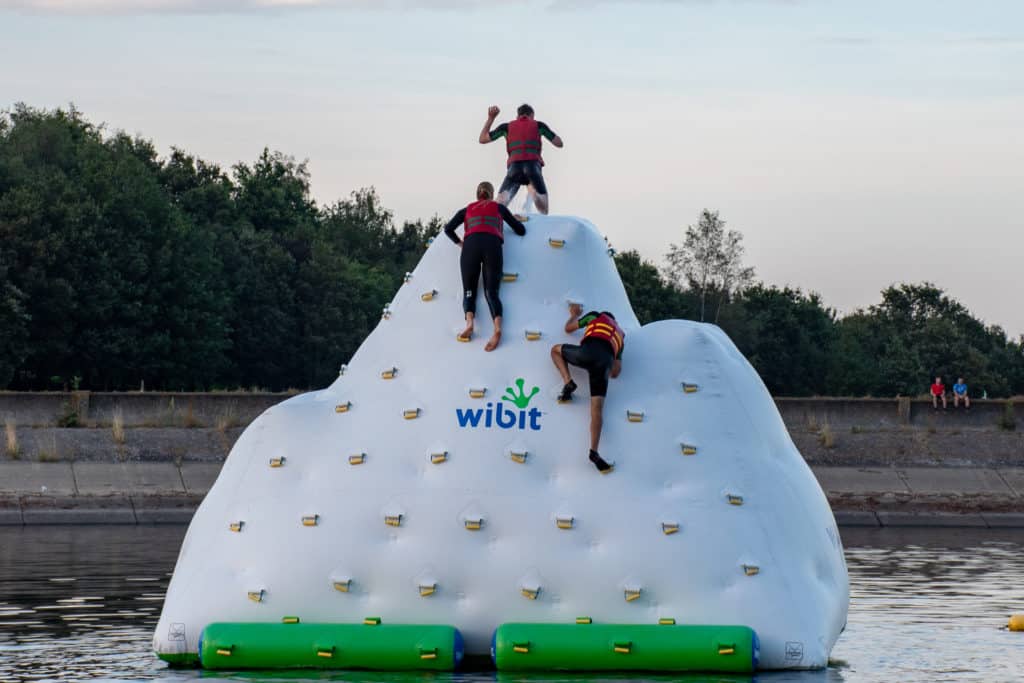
(624, 647)
(368, 646)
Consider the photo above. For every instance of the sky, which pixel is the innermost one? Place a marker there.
(854, 143)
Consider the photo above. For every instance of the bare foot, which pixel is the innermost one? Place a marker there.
(466, 334)
(493, 342)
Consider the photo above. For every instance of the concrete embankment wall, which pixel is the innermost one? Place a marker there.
(83, 457)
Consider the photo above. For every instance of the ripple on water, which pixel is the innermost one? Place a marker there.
(80, 603)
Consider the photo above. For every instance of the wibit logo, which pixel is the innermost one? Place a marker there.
(497, 415)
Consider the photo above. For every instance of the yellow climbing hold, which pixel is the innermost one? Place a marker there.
(393, 520)
(477, 393)
(751, 569)
(343, 407)
(532, 335)
(310, 520)
(666, 621)
(521, 648)
(729, 649)
(688, 449)
(519, 456)
(669, 528)
(357, 459)
(438, 458)
(427, 589)
(734, 499)
(277, 462)
(289, 620)
(389, 373)
(256, 596)
(428, 296)
(623, 648)
(474, 524)
(1016, 622)
(343, 586)
(689, 388)
(324, 652)
(530, 592)
(236, 526)
(509, 277)
(584, 620)
(371, 621)
(225, 651)
(411, 413)
(635, 415)
(556, 243)
(428, 654)
(564, 522)
(633, 594)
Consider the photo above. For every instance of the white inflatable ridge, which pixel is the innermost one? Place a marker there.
(401, 492)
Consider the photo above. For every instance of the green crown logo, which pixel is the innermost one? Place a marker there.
(520, 399)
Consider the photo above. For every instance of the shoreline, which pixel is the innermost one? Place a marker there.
(39, 493)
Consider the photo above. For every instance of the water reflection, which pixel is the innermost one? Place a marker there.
(80, 603)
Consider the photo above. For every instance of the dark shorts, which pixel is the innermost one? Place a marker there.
(596, 357)
(524, 173)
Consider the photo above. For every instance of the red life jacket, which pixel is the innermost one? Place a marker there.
(523, 140)
(604, 327)
(483, 216)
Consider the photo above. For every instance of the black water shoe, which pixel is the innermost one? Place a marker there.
(602, 466)
(566, 394)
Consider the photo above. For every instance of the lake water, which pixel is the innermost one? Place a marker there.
(80, 603)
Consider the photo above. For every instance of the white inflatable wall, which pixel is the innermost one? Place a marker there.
(754, 540)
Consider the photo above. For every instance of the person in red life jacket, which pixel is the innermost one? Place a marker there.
(481, 245)
(523, 143)
(600, 354)
(938, 392)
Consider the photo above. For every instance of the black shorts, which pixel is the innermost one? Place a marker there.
(524, 173)
(596, 357)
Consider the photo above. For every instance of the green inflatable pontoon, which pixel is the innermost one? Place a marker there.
(585, 646)
(372, 645)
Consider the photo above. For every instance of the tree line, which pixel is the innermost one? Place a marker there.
(120, 268)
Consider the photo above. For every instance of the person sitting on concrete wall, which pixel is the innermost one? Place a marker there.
(960, 394)
(938, 391)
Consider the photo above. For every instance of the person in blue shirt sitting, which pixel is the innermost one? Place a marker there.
(960, 394)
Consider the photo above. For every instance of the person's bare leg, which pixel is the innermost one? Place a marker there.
(540, 201)
(596, 421)
(943, 401)
(467, 333)
(495, 339)
(505, 197)
(560, 364)
(967, 402)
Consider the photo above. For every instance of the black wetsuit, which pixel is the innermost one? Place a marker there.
(523, 172)
(482, 249)
(596, 356)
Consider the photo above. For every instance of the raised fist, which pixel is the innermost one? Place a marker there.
(493, 111)
(575, 310)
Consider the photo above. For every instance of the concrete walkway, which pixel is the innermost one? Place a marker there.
(161, 492)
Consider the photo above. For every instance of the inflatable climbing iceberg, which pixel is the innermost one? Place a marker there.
(434, 483)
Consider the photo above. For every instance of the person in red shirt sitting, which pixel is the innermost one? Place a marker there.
(523, 143)
(938, 391)
(481, 245)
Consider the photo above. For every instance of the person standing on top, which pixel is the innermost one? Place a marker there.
(523, 143)
(481, 245)
(600, 354)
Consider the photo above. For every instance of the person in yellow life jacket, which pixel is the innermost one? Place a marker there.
(523, 138)
(600, 354)
(481, 245)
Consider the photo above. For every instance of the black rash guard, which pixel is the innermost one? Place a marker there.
(502, 130)
(460, 219)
